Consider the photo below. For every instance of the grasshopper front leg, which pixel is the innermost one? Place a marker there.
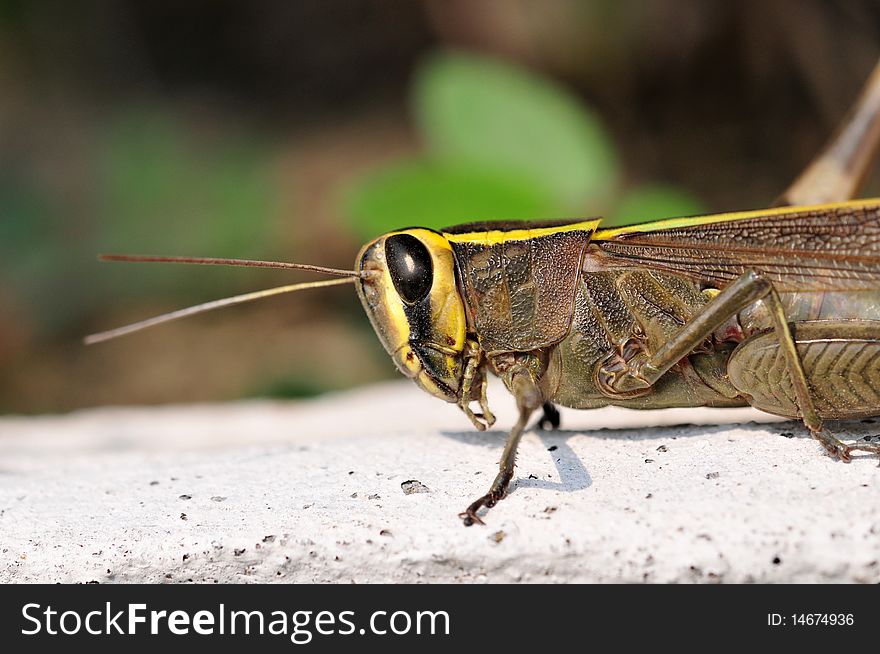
(474, 368)
(520, 379)
(643, 370)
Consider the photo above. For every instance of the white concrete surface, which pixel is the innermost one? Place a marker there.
(318, 491)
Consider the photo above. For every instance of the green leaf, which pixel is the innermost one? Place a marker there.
(654, 202)
(480, 110)
(439, 194)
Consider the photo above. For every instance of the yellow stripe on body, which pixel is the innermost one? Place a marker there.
(675, 223)
(496, 236)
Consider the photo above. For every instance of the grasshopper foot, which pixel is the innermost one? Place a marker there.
(469, 516)
(550, 419)
(870, 448)
(843, 451)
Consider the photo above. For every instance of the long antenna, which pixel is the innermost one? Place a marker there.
(215, 304)
(219, 261)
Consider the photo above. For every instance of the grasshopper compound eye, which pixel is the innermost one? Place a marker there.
(410, 266)
(408, 288)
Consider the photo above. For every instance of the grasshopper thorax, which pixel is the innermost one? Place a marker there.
(408, 287)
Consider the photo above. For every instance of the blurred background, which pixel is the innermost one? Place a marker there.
(298, 130)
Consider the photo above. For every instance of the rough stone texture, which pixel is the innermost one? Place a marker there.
(365, 487)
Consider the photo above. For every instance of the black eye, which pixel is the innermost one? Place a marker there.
(409, 263)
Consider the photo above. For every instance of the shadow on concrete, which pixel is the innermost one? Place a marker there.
(496, 438)
(573, 474)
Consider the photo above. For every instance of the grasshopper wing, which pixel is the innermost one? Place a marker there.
(833, 247)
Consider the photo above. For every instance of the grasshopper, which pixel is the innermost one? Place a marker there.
(776, 308)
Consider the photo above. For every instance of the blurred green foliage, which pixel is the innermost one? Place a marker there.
(502, 143)
(147, 185)
(654, 201)
(290, 388)
(480, 110)
(431, 193)
(161, 185)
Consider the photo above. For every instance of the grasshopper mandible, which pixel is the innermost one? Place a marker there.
(778, 308)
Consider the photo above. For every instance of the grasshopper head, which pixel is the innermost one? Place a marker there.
(408, 289)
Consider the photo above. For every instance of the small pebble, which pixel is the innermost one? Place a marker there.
(413, 486)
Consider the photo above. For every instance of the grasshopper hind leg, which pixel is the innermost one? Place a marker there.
(813, 370)
(842, 450)
(840, 169)
(840, 364)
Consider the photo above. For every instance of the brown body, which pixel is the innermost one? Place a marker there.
(583, 305)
